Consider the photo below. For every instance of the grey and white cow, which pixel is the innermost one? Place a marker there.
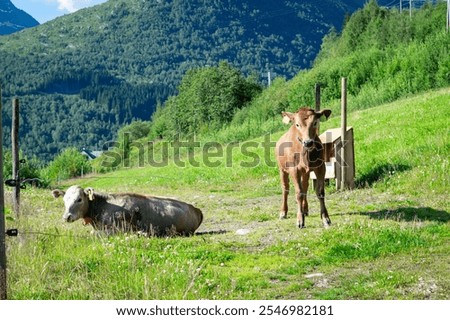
(129, 212)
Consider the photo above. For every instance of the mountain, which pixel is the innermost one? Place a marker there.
(81, 76)
(13, 19)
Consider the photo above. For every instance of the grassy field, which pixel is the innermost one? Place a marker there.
(390, 237)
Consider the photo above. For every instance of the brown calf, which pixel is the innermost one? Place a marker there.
(299, 151)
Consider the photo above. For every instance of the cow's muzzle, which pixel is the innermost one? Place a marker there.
(308, 144)
(68, 217)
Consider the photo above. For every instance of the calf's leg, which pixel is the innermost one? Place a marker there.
(299, 198)
(303, 200)
(304, 189)
(284, 177)
(320, 192)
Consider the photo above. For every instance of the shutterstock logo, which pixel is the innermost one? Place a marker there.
(193, 153)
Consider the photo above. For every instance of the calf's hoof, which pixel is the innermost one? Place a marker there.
(301, 225)
(326, 222)
(283, 216)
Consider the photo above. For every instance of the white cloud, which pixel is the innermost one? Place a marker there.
(72, 5)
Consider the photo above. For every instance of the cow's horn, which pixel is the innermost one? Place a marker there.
(90, 193)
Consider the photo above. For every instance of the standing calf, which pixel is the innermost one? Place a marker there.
(129, 212)
(298, 152)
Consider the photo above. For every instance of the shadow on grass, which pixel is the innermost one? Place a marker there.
(201, 233)
(380, 172)
(410, 214)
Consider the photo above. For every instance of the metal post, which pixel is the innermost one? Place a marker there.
(15, 156)
(343, 130)
(3, 286)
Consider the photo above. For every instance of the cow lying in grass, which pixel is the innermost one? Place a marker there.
(129, 212)
(299, 151)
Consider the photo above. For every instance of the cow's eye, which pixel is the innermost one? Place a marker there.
(79, 200)
(297, 125)
(315, 124)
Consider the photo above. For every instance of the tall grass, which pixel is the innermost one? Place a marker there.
(389, 238)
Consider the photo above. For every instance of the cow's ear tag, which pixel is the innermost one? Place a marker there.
(90, 193)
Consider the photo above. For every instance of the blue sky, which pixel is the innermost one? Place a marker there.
(45, 10)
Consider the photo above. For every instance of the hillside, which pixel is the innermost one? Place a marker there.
(391, 141)
(81, 76)
(383, 54)
(13, 19)
(389, 238)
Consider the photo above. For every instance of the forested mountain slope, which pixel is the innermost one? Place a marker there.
(384, 54)
(81, 76)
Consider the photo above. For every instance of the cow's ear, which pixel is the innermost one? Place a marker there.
(287, 117)
(58, 193)
(324, 114)
(90, 193)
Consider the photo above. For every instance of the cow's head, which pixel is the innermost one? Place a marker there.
(306, 121)
(76, 202)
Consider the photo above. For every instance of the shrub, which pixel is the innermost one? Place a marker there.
(136, 130)
(208, 98)
(30, 169)
(68, 164)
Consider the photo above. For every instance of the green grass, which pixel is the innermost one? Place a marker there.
(389, 238)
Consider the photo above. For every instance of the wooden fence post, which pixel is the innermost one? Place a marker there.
(343, 131)
(317, 96)
(3, 286)
(15, 156)
(317, 108)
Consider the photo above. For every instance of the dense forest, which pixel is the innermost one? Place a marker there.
(82, 76)
(383, 53)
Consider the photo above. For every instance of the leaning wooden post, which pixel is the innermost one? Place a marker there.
(343, 130)
(317, 108)
(15, 156)
(318, 104)
(2, 216)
